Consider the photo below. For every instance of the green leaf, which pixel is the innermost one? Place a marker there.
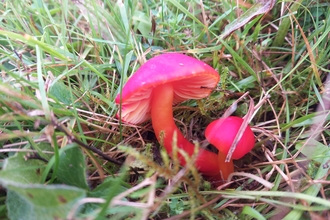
(102, 190)
(143, 23)
(176, 206)
(61, 92)
(247, 210)
(72, 168)
(27, 198)
(36, 201)
(314, 189)
(185, 11)
(314, 150)
(19, 170)
(260, 7)
(33, 42)
(108, 186)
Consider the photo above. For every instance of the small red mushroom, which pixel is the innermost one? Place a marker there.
(162, 81)
(221, 133)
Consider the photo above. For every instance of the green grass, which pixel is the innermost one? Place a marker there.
(64, 154)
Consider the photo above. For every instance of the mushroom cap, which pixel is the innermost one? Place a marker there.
(191, 79)
(221, 133)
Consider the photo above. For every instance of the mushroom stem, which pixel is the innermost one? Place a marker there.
(222, 133)
(225, 168)
(164, 127)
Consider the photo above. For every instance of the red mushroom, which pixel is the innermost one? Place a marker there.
(221, 133)
(162, 81)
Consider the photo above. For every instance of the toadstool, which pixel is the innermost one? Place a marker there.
(221, 133)
(162, 81)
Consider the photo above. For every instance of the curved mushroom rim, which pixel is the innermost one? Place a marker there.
(191, 79)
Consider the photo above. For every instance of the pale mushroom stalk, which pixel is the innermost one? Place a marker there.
(164, 127)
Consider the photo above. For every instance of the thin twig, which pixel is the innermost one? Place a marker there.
(79, 142)
(91, 148)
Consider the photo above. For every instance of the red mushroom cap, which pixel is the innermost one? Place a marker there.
(221, 133)
(191, 79)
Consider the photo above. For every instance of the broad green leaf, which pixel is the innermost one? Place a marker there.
(27, 198)
(42, 147)
(143, 23)
(61, 92)
(314, 150)
(72, 168)
(36, 201)
(260, 7)
(102, 190)
(19, 170)
(109, 185)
